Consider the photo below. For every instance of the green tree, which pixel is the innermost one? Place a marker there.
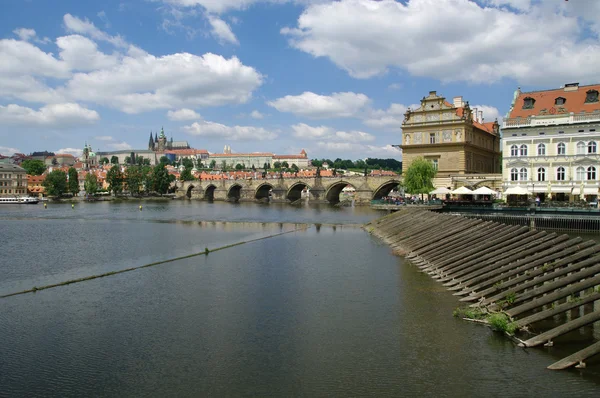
(147, 178)
(277, 165)
(164, 160)
(90, 184)
(418, 178)
(295, 168)
(285, 165)
(160, 179)
(34, 167)
(133, 178)
(114, 159)
(188, 163)
(56, 183)
(73, 181)
(104, 160)
(199, 164)
(316, 163)
(146, 162)
(239, 166)
(224, 165)
(213, 164)
(186, 174)
(360, 164)
(127, 160)
(54, 162)
(139, 160)
(114, 177)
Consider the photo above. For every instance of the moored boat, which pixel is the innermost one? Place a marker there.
(18, 200)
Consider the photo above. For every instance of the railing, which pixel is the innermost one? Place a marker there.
(545, 222)
(566, 118)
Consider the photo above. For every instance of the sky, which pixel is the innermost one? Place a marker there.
(333, 77)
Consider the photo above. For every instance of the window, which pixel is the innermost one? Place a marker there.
(591, 147)
(561, 148)
(559, 101)
(560, 174)
(523, 150)
(561, 132)
(432, 138)
(514, 150)
(541, 174)
(523, 174)
(591, 173)
(591, 96)
(580, 173)
(581, 148)
(528, 103)
(541, 150)
(514, 174)
(434, 162)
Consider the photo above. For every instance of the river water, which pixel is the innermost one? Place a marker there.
(323, 310)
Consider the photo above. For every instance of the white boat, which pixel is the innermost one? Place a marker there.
(18, 200)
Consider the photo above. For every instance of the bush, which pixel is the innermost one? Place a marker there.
(501, 323)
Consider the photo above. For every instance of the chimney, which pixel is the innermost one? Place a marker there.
(480, 116)
(457, 102)
(571, 87)
(475, 114)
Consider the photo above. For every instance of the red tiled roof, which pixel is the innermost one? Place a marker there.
(62, 155)
(289, 156)
(241, 154)
(545, 100)
(487, 126)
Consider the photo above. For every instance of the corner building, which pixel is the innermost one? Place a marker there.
(454, 137)
(550, 142)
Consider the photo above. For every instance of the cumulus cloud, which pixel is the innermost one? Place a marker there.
(451, 40)
(81, 53)
(361, 150)
(315, 106)
(104, 138)
(183, 114)
(119, 145)
(73, 151)
(490, 113)
(390, 118)
(234, 133)
(21, 58)
(4, 150)
(85, 27)
(256, 115)
(25, 34)
(305, 131)
(221, 30)
(221, 6)
(53, 115)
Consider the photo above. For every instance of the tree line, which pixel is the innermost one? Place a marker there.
(360, 164)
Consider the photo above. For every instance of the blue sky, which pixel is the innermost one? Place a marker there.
(332, 77)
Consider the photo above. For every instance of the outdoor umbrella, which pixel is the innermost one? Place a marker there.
(462, 191)
(440, 191)
(484, 191)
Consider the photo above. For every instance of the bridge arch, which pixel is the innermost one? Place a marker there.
(294, 192)
(209, 192)
(263, 190)
(333, 192)
(234, 193)
(188, 192)
(385, 188)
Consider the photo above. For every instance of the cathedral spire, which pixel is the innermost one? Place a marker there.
(150, 142)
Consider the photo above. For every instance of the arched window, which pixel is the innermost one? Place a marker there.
(523, 150)
(523, 174)
(541, 149)
(592, 147)
(514, 174)
(581, 148)
(561, 149)
(514, 150)
(591, 173)
(560, 174)
(580, 173)
(541, 174)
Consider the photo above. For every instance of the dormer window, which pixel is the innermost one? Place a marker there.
(560, 101)
(591, 96)
(528, 103)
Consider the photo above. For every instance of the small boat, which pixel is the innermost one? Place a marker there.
(18, 200)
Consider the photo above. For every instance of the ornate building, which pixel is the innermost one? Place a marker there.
(88, 158)
(550, 140)
(453, 137)
(161, 144)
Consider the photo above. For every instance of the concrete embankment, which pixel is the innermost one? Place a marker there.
(511, 277)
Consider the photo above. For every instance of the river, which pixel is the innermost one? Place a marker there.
(322, 310)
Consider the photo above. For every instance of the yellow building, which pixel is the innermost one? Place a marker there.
(453, 137)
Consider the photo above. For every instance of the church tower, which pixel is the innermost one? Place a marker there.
(151, 143)
(86, 157)
(162, 141)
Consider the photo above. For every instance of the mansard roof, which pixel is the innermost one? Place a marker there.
(544, 101)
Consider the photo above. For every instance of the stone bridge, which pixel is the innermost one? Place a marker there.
(319, 189)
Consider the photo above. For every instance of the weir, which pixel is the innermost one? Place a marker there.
(509, 274)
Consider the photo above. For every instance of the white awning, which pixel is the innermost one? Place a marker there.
(558, 189)
(440, 191)
(462, 191)
(517, 191)
(586, 191)
(484, 191)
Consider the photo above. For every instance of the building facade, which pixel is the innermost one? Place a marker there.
(452, 136)
(161, 144)
(550, 142)
(13, 180)
(256, 160)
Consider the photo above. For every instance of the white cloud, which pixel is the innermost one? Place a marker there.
(221, 6)
(25, 34)
(53, 115)
(104, 138)
(183, 114)
(329, 134)
(19, 58)
(119, 145)
(522, 5)
(390, 118)
(85, 27)
(234, 133)
(490, 113)
(395, 86)
(308, 104)
(221, 30)
(361, 150)
(450, 40)
(256, 115)
(81, 53)
(6, 151)
(73, 151)
(103, 18)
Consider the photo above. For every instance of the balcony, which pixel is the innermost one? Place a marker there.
(532, 121)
